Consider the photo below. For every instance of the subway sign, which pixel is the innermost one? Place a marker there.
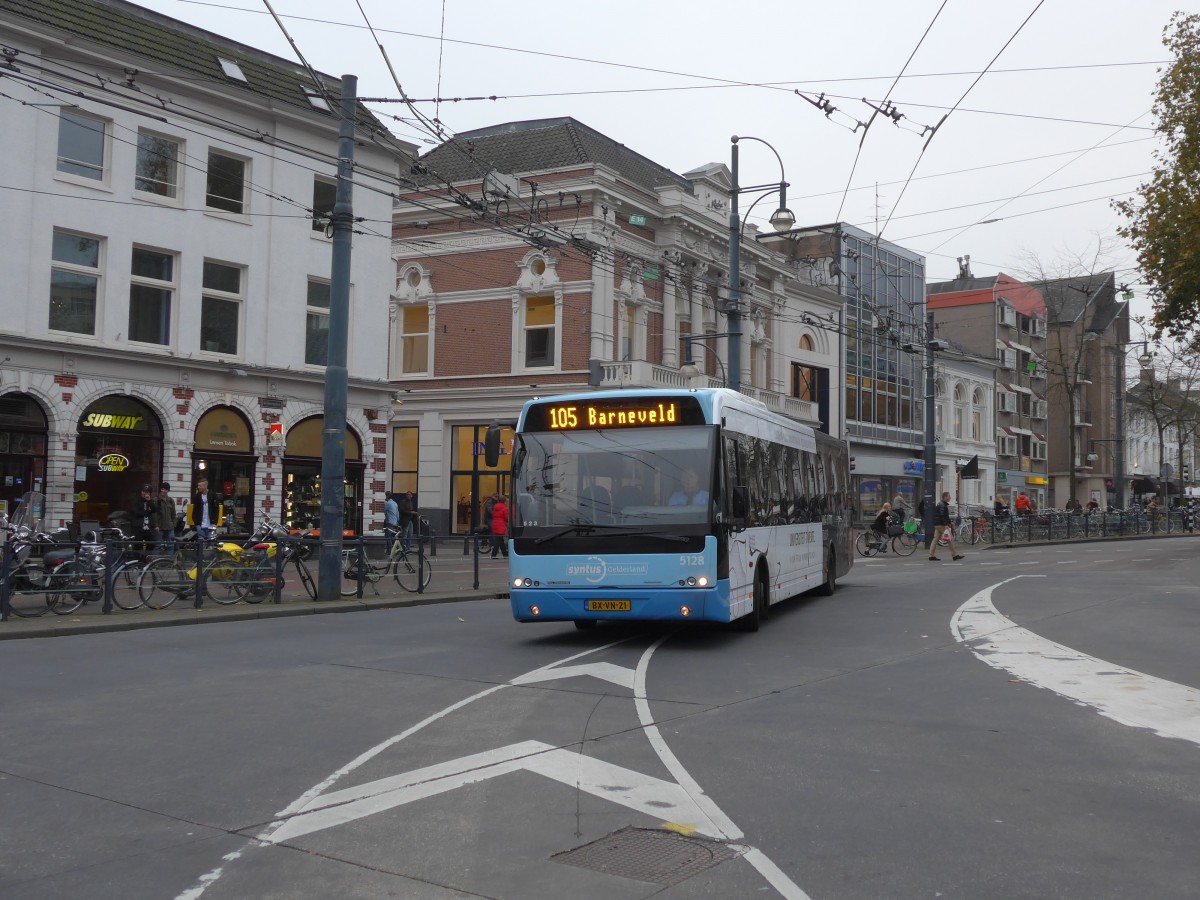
(116, 423)
(113, 462)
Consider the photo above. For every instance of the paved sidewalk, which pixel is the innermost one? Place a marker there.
(452, 581)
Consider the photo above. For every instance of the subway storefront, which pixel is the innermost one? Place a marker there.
(118, 448)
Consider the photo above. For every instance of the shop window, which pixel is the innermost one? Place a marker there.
(226, 183)
(151, 296)
(221, 308)
(156, 170)
(539, 328)
(316, 324)
(414, 341)
(74, 282)
(472, 480)
(324, 196)
(82, 146)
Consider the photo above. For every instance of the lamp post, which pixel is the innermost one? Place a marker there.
(689, 367)
(782, 220)
(1144, 360)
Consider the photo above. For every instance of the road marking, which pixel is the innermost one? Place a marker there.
(643, 793)
(1066, 562)
(1124, 695)
(1141, 559)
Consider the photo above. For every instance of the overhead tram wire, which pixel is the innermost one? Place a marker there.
(938, 126)
(1079, 156)
(875, 112)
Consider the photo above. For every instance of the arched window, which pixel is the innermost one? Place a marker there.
(978, 419)
(960, 412)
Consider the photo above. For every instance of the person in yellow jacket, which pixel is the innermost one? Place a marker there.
(205, 513)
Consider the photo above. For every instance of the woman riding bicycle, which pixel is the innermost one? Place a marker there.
(880, 526)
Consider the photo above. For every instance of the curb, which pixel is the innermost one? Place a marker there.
(43, 627)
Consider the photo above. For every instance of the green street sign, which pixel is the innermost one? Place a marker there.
(1002, 476)
(637, 220)
(1031, 366)
(650, 273)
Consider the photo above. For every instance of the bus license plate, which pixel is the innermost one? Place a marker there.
(609, 606)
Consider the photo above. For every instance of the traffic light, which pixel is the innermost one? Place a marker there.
(851, 463)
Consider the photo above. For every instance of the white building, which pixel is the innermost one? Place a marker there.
(965, 389)
(166, 290)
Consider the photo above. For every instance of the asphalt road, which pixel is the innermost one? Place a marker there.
(1024, 724)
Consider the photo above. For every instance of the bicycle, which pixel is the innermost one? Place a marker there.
(22, 574)
(232, 573)
(869, 543)
(411, 572)
(84, 575)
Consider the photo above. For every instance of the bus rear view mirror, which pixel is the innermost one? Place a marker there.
(491, 445)
(741, 501)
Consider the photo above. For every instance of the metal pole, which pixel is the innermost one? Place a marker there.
(1119, 409)
(734, 309)
(333, 447)
(929, 479)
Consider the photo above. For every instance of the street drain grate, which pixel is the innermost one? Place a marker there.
(648, 854)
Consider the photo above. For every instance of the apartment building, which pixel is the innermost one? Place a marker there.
(1003, 320)
(542, 257)
(167, 269)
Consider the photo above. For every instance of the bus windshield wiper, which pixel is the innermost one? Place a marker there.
(577, 528)
(585, 528)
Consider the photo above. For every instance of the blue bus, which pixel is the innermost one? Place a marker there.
(671, 505)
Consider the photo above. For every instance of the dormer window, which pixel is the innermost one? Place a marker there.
(316, 98)
(231, 69)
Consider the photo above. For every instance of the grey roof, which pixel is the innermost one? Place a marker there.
(961, 284)
(1069, 298)
(178, 49)
(540, 145)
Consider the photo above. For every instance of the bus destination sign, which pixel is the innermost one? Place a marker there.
(617, 412)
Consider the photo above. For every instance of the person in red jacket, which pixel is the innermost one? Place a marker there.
(1022, 504)
(499, 527)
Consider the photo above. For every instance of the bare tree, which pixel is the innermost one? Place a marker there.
(1081, 308)
(1168, 395)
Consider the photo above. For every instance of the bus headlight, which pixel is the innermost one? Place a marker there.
(535, 610)
(685, 611)
(702, 581)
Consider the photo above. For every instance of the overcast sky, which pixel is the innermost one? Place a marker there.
(1059, 123)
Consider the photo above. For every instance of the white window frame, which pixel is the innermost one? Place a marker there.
(174, 196)
(238, 298)
(65, 115)
(1039, 409)
(86, 271)
(310, 311)
(1007, 445)
(523, 330)
(1006, 401)
(245, 199)
(1008, 315)
(1008, 358)
(319, 229)
(171, 288)
(405, 337)
(1039, 450)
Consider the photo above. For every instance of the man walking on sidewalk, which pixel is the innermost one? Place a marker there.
(941, 523)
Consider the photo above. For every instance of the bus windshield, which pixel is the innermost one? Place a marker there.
(644, 479)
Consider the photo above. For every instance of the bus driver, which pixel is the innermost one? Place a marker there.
(688, 494)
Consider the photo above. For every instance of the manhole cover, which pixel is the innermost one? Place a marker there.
(648, 854)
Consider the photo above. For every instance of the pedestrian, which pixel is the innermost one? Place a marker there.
(162, 520)
(941, 523)
(999, 509)
(1023, 506)
(900, 507)
(143, 519)
(880, 526)
(408, 518)
(391, 519)
(486, 528)
(499, 526)
(205, 513)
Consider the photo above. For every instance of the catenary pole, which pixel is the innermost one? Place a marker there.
(734, 307)
(929, 467)
(333, 435)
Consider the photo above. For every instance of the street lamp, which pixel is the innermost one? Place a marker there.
(781, 220)
(689, 369)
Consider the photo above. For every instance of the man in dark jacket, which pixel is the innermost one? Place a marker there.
(162, 520)
(941, 523)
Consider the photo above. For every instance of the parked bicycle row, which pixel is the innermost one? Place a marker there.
(42, 572)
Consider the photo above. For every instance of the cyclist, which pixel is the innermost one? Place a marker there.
(880, 526)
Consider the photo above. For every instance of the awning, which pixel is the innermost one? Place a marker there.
(1144, 486)
(1018, 389)
(1015, 430)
